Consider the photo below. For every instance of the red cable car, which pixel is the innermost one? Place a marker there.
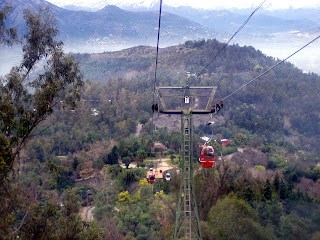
(151, 178)
(206, 156)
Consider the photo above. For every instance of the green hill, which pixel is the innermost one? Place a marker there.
(281, 105)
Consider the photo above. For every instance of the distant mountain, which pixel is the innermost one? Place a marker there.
(229, 21)
(276, 33)
(264, 22)
(112, 26)
(95, 5)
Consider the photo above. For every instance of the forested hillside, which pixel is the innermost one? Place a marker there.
(282, 105)
(270, 190)
(74, 154)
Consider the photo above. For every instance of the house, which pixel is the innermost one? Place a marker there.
(224, 142)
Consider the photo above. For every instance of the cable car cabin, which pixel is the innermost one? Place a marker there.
(168, 177)
(151, 178)
(207, 156)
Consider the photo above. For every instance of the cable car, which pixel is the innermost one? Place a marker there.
(151, 178)
(206, 156)
(168, 177)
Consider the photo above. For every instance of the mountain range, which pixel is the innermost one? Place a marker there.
(113, 28)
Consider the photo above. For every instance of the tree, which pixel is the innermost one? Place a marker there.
(113, 156)
(21, 109)
(267, 192)
(172, 157)
(240, 139)
(126, 161)
(142, 154)
(69, 223)
(232, 218)
(7, 36)
(26, 102)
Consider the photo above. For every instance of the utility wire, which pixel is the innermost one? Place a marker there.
(274, 66)
(224, 46)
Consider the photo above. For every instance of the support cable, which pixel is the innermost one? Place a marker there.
(262, 74)
(274, 66)
(226, 44)
(154, 105)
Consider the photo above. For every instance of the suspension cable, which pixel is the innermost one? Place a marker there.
(262, 74)
(156, 66)
(274, 66)
(226, 44)
(157, 54)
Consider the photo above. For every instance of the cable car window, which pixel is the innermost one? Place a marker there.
(207, 152)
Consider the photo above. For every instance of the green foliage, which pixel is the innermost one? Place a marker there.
(217, 147)
(313, 174)
(258, 68)
(172, 157)
(75, 163)
(113, 156)
(286, 230)
(232, 218)
(56, 220)
(266, 148)
(126, 161)
(8, 36)
(261, 168)
(126, 177)
(22, 111)
(265, 117)
(276, 161)
(229, 149)
(240, 139)
(124, 197)
(266, 192)
(98, 164)
(114, 170)
(293, 172)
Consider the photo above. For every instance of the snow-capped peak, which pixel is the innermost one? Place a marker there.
(99, 4)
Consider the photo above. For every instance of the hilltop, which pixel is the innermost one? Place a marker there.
(279, 105)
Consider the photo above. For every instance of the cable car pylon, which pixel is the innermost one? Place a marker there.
(187, 216)
(187, 101)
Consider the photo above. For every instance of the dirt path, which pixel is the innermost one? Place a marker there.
(159, 164)
(139, 128)
(86, 213)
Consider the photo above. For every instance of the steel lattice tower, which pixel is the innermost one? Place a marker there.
(186, 101)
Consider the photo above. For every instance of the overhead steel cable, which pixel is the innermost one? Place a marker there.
(226, 44)
(156, 66)
(271, 68)
(157, 54)
(262, 74)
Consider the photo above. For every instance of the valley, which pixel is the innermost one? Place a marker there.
(79, 136)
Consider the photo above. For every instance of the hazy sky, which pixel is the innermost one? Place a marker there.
(206, 4)
(270, 4)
